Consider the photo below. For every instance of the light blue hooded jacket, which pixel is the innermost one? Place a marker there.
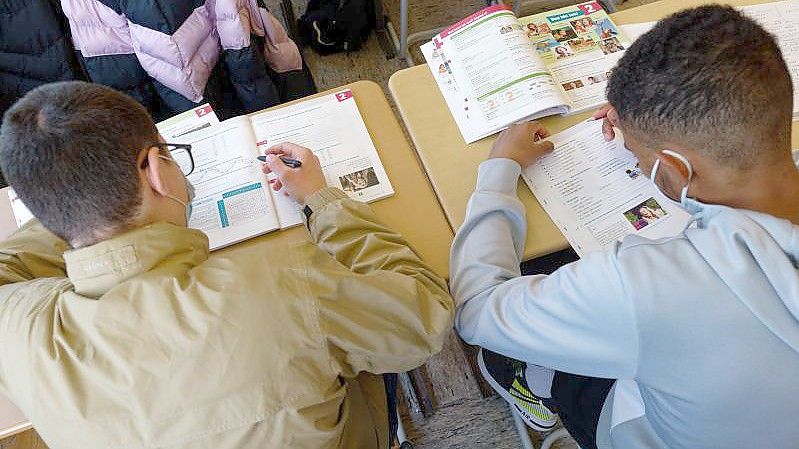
(703, 327)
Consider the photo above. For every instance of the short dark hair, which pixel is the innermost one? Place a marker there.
(69, 150)
(710, 78)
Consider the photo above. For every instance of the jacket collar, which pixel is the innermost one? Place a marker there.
(96, 269)
(784, 233)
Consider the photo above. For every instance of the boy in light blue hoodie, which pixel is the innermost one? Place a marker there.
(684, 342)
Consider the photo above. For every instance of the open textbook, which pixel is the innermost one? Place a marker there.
(234, 199)
(595, 192)
(495, 69)
(771, 16)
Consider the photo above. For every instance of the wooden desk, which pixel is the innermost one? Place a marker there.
(413, 211)
(451, 164)
(12, 421)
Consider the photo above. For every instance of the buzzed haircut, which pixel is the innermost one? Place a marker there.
(69, 150)
(710, 79)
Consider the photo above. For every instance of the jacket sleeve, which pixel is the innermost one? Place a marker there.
(578, 320)
(31, 252)
(389, 312)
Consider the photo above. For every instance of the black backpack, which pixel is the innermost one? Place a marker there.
(332, 26)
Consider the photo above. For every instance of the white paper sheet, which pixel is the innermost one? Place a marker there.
(595, 192)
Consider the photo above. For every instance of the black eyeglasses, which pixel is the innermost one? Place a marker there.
(181, 154)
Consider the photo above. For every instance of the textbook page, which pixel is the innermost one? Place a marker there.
(471, 122)
(596, 194)
(579, 44)
(332, 127)
(20, 211)
(233, 202)
(173, 128)
(498, 76)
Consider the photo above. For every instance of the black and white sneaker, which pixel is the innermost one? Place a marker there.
(506, 376)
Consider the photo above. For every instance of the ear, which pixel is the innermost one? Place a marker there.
(673, 175)
(676, 166)
(155, 171)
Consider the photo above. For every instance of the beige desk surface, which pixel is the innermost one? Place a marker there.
(451, 164)
(413, 211)
(12, 421)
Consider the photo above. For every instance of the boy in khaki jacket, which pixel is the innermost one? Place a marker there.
(119, 330)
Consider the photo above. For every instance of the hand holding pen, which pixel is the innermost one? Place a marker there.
(297, 170)
(293, 163)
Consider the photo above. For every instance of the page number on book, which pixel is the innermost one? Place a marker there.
(342, 96)
(204, 110)
(590, 8)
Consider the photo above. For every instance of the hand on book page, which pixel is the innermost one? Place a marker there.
(300, 182)
(610, 120)
(521, 143)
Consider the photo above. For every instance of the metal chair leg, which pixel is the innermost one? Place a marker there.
(521, 429)
(402, 437)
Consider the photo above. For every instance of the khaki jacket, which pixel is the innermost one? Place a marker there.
(146, 341)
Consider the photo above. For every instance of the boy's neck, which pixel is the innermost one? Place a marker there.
(773, 190)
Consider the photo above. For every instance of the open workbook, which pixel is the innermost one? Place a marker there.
(234, 199)
(495, 69)
(595, 192)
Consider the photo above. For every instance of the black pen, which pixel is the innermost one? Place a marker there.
(293, 163)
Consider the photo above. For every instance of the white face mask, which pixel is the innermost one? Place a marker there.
(190, 193)
(684, 160)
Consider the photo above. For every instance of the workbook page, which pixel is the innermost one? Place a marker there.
(20, 211)
(233, 202)
(579, 45)
(499, 76)
(596, 194)
(332, 127)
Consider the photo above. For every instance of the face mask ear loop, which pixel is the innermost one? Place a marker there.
(187, 206)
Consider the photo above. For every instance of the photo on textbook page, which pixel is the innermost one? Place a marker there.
(645, 214)
(593, 45)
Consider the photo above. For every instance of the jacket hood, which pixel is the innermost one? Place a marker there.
(752, 239)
